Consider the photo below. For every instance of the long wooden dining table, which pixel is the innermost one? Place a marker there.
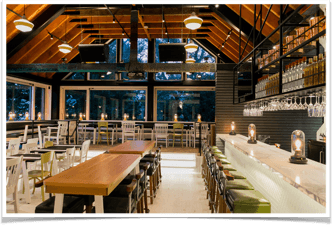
(133, 147)
(98, 176)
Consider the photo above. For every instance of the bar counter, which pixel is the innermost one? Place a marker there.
(291, 188)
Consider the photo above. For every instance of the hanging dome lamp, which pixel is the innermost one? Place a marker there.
(191, 47)
(193, 22)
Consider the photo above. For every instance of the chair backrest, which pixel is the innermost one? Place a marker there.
(70, 154)
(62, 128)
(40, 137)
(204, 128)
(25, 133)
(128, 126)
(13, 170)
(30, 147)
(84, 151)
(161, 128)
(72, 127)
(47, 162)
(13, 146)
(178, 126)
(103, 124)
(34, 140)
(48, 144)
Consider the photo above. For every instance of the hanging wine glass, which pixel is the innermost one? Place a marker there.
(305, 105)
(300, 106)
(310, 107)
(316, 106)
(323, 105)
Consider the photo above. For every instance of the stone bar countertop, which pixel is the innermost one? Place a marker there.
(309, 178)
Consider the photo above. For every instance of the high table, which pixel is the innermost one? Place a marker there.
(98, 176)
(133, 147)
(291, 188)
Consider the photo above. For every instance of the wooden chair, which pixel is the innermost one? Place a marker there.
(13, 170)
(25, 134)
(46, 171)
(72, 132)
(59, 135)
(68, 161)
(13, 147)
(101, 133)
(128, 129)
(30, 147)
(177, 126)
(83, 152)
(34, 140)
(161, 131)
(204, 133)
(40, 137)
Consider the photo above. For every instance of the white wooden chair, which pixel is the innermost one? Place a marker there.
(204, 133)
(128, 129)
(59, 133)
(30, 147)
(68, 161)
(34, 140)
(25, 134)
(82, 132)
(40, 138)
(83, 152)
(13, 170)
(13, 147)
(72, 132)
(161, 131)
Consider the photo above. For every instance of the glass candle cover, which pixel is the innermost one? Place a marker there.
(233, 129)
(252, 134)
(298, 147)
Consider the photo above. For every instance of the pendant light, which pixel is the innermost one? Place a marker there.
(190, 60)
(65, 47)
(191, 47)
(193, 22)
(22, 24)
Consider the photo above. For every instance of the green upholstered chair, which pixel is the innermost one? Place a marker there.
(237, 175)
(247, 201)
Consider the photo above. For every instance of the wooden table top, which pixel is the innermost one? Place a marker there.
(133, 147)
(9, 139)
(97, 176)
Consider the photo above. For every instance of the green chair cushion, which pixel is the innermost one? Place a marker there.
(224, 161)
(228, 167)
(214, 147)
(220, 156)
(247, 201)
(237, 175)
(241, 184)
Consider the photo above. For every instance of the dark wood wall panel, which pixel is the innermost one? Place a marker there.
(278, 125)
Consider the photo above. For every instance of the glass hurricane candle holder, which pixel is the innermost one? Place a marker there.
(39, 116)
(11, 115)
(252, 134)
(176, 117)
(27, 116)
(199, 118)
(232, 132)
(81, 115)
(298, 147)
(125, 117)
(102, 117)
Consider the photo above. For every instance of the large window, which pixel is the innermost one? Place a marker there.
(142, 50)
(75, 76)
(18, 100)
(40, 102)
(75, 103)
(115, 103)
(186, 104)
(112, 52)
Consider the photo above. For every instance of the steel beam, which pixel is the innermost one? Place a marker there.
(40, 23)
(115, 67)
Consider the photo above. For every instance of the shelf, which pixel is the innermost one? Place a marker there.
(303, 45)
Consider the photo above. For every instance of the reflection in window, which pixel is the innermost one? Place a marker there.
(112, 52)
(126, 78)
(76, 76)
(201, 76)
(18, 100)
(102, 76)
(39, 102)
(75, 103)
(115, 103)
(186, 104)
(142, 50)
(166, 76)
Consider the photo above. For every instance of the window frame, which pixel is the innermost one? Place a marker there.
(180, 88)
(47, 96)
(63, 89)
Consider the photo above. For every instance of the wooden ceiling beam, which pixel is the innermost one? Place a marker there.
(32, 44)
(31, 12)
(247, 15)
(10, 16)
(272, 20)
(143, 25)
(46, 43)
(220, 22)
(227, 48)
(234, 37)
(218, 46)
(222, 37)
(142, 31)
(153, 36)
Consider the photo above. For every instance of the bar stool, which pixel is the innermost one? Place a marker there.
(71, 204)
(144, 185)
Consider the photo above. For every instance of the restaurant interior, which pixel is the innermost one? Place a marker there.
(144, 109)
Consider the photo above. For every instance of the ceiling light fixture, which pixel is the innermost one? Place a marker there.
(65, 47)
(190, 60)
(193, 22)
(217, 5)
(113, 21)
(191, 47)
(22, 24)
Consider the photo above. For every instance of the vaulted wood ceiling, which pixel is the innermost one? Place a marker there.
(84, 25)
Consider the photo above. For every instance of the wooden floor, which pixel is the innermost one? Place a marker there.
(181, 191)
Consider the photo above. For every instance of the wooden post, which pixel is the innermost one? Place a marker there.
(213, 135)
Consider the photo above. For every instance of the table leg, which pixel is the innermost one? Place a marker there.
(99, 204)
(58, 204)
(26, 183)
(94, 136)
